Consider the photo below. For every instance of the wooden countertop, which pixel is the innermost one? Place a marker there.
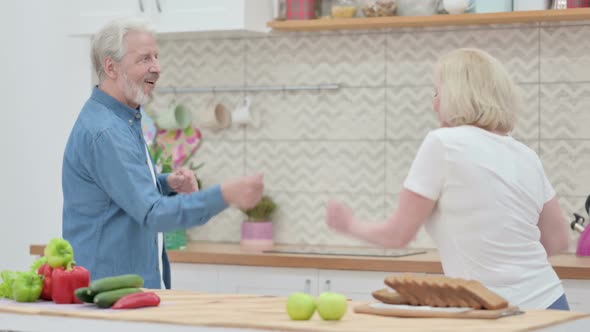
(567, 266)
(268, 313)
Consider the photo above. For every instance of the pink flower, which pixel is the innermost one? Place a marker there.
(178, 134)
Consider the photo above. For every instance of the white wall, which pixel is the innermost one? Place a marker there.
(44, 82)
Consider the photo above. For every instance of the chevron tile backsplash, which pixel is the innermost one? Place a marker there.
(411, 55)
(565, 110)
(203, 62)
(565, 54)
(355, 60)
(311, 115)
(319, 166)
(357, 143)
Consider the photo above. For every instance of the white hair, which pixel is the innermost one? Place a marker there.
(475, 89)
(109, 42)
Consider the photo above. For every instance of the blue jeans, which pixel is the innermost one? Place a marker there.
(560, 304)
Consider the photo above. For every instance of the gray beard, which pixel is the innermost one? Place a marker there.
(134, 92)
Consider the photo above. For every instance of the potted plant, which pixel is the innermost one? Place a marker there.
(257, 230)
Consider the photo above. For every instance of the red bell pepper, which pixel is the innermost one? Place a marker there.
(66, 281)
(137, 300)
(46, 271)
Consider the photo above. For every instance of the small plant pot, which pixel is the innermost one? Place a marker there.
(257, 234)
(584, 243)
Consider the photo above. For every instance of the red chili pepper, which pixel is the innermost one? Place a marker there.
(137, 300)
(66, 281)
(46, 270)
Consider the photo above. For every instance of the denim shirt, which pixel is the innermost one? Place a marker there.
(112, 212)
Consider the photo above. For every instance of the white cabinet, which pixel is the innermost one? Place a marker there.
(212, 15)
(86, 17)
(578, 294)
(173, 16)
(195, 277)
(236, 279)
(267, 280)
(355, 285)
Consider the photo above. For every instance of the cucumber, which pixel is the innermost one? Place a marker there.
(85, 294)
(108, 298)
(117, 282)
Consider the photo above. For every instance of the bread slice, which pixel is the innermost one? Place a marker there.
(440, 291)
(386, 295)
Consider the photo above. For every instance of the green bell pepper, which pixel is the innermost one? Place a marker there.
(59, 253)
(38, 263)
(27, 287)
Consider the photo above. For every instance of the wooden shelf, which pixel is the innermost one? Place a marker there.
(429, 21)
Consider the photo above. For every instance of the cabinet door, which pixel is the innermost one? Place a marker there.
(356, 285)
(88, 16)
(194, 277)
(202, 15)
(578, 294)
(266, 280)
(211, 15)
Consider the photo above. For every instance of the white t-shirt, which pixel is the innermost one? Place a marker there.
(490, 190)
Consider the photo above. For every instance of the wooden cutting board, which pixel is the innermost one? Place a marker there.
(269, 313)
(382, 309)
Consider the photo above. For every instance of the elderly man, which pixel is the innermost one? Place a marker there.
(116, 206)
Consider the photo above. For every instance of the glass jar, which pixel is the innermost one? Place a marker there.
(417, 8)
(301, 9)
(378, 8)
(281, 10)
(325, 8)
(344, 8)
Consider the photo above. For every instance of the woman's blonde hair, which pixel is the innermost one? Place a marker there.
(475, 89)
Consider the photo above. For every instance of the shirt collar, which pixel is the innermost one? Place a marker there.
(123, 111)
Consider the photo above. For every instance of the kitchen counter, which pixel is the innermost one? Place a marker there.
(567, 266)
(231, 312)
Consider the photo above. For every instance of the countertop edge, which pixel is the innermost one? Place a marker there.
(308, 261)
(356, 263)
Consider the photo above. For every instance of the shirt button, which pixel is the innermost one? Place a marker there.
(137, 115)
(130, 121)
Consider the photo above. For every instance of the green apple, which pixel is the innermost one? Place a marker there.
(300, 306)
(27, 287)
(331, 306)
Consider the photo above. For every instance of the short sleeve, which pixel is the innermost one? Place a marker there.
(548, 190)
(427, 173)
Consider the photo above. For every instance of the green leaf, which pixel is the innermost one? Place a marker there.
(262, 211)
(194, 168)
(158, 153)
(189, 131)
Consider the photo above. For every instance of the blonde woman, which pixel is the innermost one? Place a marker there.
(483, 196)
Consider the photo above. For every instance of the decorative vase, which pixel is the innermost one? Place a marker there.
(257, 234)
(584, 243)
(455, 6)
